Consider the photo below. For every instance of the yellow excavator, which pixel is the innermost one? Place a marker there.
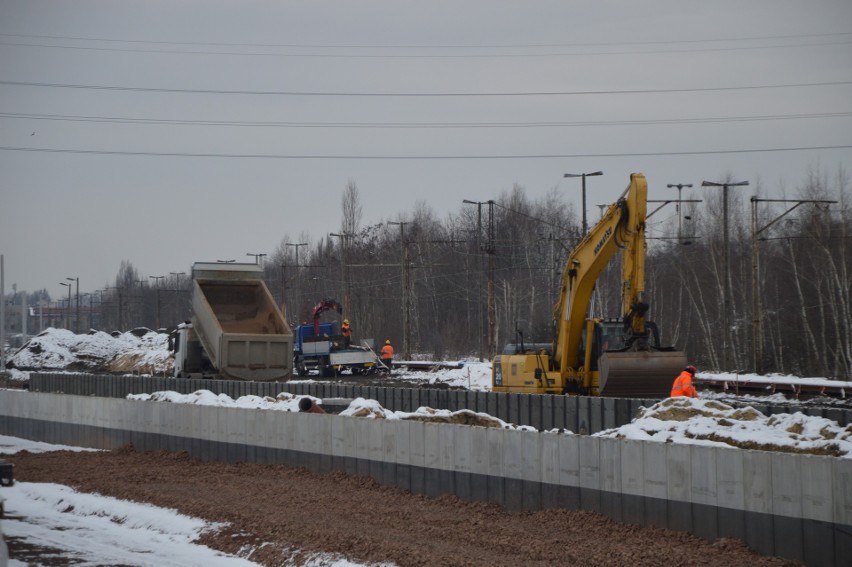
(619, 357)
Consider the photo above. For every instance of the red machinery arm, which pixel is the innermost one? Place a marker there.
(322, 307)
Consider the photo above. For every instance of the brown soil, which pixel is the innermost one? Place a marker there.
(296, 513)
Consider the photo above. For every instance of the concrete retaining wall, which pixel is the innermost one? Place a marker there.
(795, 506)
(544, 412)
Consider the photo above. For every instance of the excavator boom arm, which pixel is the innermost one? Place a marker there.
(621, 226)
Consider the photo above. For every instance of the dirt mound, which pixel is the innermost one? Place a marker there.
(284, 513)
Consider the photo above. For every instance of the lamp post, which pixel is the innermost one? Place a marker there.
(344, 271)
(406, 292)
(257, 258)
(480, 271)
(726, 346)
(296, 246)
(584, 176)
(679, 187)
(68, 305)
(157, 279)
(77, 316)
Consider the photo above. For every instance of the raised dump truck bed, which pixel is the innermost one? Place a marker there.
(238, 325)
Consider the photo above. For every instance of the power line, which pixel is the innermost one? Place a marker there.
(433, 46)
(423, 55)
(416, 125)
(413, 157)
(421, 94)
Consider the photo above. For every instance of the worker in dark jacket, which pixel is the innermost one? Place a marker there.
(683, 383)
(387, 356)
(346, 331)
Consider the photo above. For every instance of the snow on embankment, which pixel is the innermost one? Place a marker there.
(710, 422)
(141, 351)
(359, 407)
(675, 420)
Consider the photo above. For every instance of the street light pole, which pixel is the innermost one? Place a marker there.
(480, 271)
(344, 271)
(77, 315)
(257, 258)
(406, 292)
(157, 279)
(296, 246)
(679, 187)
(68, 306)
(584, 175)
(726, 346)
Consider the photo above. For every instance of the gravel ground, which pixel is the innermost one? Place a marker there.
(296, 512)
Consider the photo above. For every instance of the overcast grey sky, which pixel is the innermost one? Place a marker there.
(166, 132)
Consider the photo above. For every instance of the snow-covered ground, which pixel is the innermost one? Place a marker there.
(675, 420)
(38, 512)
(97, 530)
(89, 529)
(141, 351)
(147, 353)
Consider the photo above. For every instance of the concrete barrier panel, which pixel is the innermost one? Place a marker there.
(583, 426)
(703, 491)
(633, 481)
(342, 441)
(547, 421)
(550, 470)
(817, 488)
(386, 461)
(531, 470)
(496, 486)
(787, 505)
(730, 492)
(417, 449)
(550, 458)
(842, 489)
(656, 484)
(610, 471)
(757, 484)
(402, 455)
(460, 441)
(596, 414)
(513, 486)
(285, 430)
(679, 486)
(436, 476)
(363, 430)
(561, 413)
(590, 473)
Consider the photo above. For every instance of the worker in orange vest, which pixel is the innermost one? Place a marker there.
(683, 383)
(346, 331)
(387, 356)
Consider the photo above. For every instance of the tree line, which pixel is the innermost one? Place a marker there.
(466, 284)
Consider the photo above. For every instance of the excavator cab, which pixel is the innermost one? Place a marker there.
(608, 336)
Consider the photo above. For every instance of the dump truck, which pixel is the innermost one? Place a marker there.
(237, 332)
(617, 357)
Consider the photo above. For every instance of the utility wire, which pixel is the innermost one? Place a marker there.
(423, 55)
(435, 46)
(413, 157)
(416, 125)
(422, 94)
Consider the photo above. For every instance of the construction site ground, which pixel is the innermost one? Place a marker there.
(288, 514)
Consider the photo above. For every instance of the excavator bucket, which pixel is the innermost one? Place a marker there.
(642, 374)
